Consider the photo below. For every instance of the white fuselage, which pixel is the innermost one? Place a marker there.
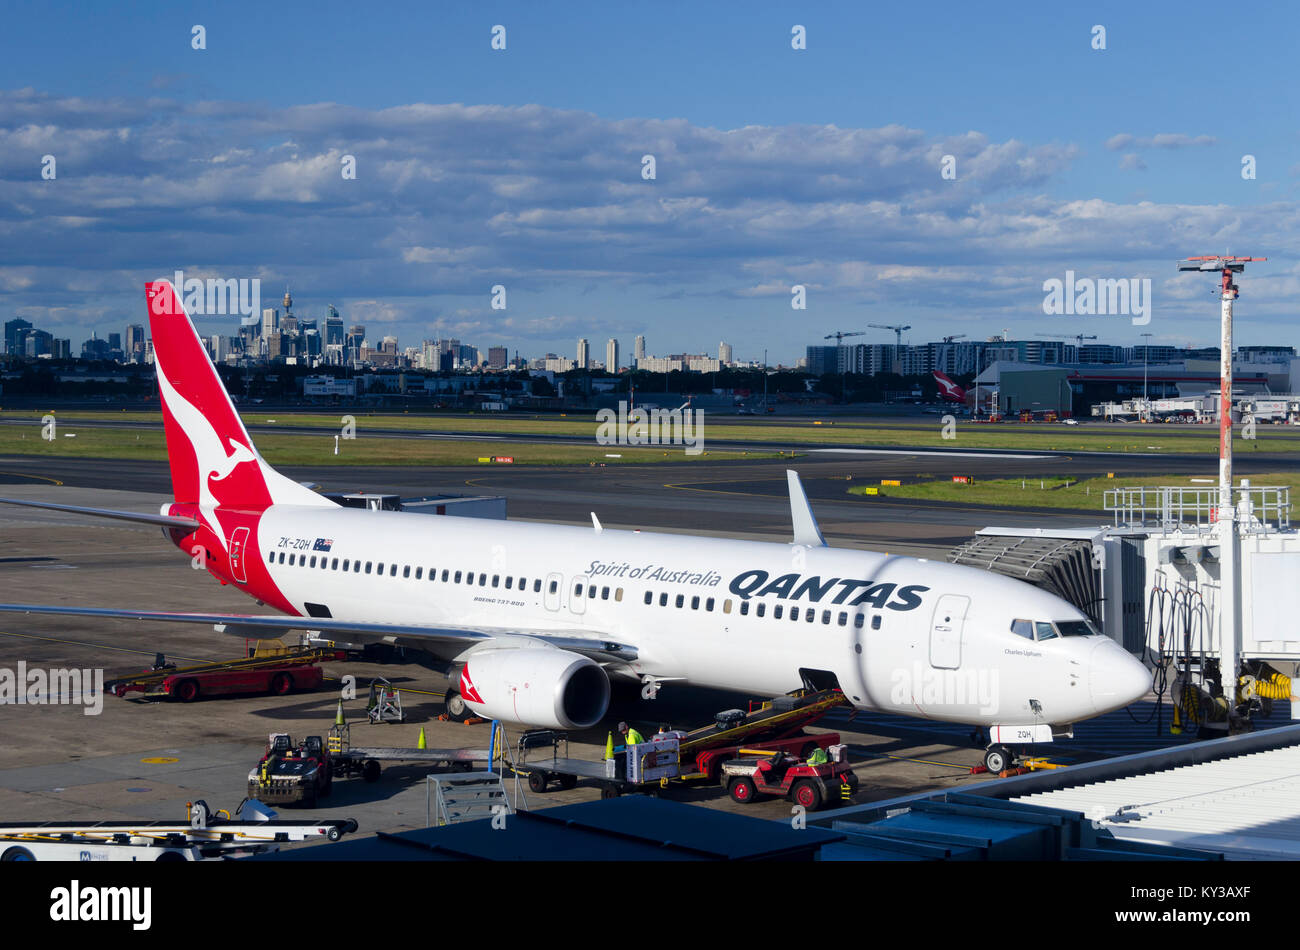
(900, 634)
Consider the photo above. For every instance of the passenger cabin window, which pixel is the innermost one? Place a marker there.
(761, 607)
(406, 571)
(726, 606)
(482, 580)
(445, 572)
(555, 585)
(859, 620)
(663, 600)
(458, 577)
(604, 593)
(844, 618)
(695, 603)
(649, 597)
(369, 565)
(618, 594)
(681, 599)
(509, 582)
(496, 579)
(334, 565)
(875, 622)
(708, 604)
(777, 611)
(744, 608)
(313, 561)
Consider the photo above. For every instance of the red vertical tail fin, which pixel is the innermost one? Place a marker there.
(213, 461)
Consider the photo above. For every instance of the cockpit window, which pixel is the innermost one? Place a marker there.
(1023, 628)
(1076, 628)
(1045, 631)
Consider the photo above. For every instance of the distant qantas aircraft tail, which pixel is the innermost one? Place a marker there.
(213, 461)
(948, 389)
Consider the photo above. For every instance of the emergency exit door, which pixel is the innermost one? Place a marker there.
(945, 631)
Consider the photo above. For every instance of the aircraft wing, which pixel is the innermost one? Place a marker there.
(576, 641)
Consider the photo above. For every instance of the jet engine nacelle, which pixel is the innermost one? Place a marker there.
(539, 687)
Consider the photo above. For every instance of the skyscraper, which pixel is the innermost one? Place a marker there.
(724, 353)
(638, 350)
(611, 356)
(583, 354)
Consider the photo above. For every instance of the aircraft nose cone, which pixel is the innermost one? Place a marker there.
(1115, 677)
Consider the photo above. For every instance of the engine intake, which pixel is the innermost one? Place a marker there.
(538, 687)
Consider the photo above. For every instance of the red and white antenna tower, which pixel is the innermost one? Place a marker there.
(1230, 593)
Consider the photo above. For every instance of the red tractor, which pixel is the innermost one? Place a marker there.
(775, 774)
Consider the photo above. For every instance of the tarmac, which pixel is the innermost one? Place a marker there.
(146, 759)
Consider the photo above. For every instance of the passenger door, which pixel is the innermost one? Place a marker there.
(946, 631)
(238, 545)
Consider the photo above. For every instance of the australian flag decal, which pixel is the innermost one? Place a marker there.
(323, 544)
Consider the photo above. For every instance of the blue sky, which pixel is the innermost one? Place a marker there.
(521, 167)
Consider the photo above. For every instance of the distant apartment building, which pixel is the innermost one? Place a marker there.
(498, 356)
(725, 354)
(638, 351)
(584, 354)
(611, 356)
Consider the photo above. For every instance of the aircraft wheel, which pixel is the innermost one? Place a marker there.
(997, 759)
(455, 706)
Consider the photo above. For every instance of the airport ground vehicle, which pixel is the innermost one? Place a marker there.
(289, 774)
(202, 835)
(767, 774)
(277, 674)
(775, 726)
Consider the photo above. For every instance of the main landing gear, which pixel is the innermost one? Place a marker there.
(454, 705)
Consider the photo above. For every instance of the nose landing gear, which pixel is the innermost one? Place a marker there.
(998, 758)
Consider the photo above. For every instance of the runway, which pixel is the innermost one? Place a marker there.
(738, 498)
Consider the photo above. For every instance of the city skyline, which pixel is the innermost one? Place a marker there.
(507, 195)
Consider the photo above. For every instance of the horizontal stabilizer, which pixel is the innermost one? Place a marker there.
(165, 521)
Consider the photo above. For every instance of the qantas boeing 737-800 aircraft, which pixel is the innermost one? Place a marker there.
(533, 620)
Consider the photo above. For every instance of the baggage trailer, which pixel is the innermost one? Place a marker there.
(202, 836)
(347, 760)
(278, 674)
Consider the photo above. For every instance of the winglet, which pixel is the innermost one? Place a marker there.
(595, 522)
(801, 513)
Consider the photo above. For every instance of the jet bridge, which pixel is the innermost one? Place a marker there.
(1152, 582)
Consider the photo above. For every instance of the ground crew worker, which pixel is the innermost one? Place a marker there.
(630, 735)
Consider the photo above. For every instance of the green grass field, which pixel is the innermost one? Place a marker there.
(365, 450)
(1085, 495)
(916, 431)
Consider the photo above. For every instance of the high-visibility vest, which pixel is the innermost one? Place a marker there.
(634, 737)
